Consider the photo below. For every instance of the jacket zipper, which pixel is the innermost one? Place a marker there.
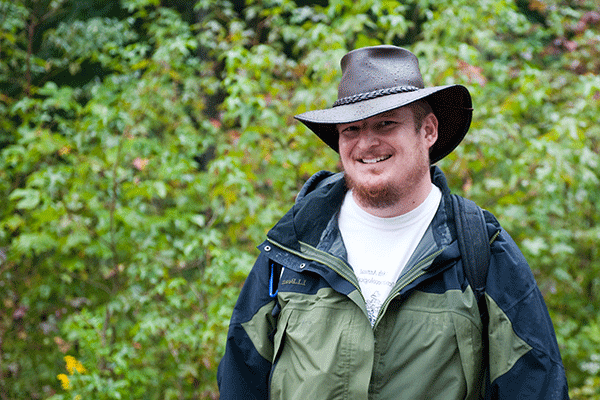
(414, 273)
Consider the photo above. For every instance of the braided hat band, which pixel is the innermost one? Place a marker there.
(371, 95)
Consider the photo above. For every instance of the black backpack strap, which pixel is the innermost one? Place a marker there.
(474, 245)
(473, 242)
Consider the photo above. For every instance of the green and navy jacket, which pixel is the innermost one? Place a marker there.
(300, 328)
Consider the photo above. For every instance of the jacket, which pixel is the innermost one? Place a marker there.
(300, 328)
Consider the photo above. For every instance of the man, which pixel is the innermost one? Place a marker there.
(360, 290)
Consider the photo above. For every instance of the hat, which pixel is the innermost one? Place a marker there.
(381, 78)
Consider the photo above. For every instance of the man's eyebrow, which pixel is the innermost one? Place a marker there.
(385, 114)
(360, 122)
(390, 113)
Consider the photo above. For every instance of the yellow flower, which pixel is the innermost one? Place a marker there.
(74, 365)
(78, 397)
(64, 381)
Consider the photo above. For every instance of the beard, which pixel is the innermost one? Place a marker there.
(389, 194)
(379, 197)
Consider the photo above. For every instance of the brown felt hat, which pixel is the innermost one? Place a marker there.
(381, 78)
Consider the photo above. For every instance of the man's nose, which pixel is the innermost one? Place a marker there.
(368, 138)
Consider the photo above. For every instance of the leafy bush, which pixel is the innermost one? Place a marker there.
(147, 146)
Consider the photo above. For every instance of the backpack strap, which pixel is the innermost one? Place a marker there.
(473, 242)
(474, 245)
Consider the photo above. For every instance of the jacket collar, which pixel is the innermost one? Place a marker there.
(310, 216)
(317, 205)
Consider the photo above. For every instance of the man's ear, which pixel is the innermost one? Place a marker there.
(430, 129)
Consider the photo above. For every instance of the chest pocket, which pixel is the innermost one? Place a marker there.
(323, 348)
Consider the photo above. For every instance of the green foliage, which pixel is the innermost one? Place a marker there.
(146, 148)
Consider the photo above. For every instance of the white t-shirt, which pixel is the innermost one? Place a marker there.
(379, 248)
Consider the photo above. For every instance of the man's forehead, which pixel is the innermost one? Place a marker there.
(390, 113)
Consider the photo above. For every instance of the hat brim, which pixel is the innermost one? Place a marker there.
(451, 105)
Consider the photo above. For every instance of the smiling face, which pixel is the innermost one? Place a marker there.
(386, 160)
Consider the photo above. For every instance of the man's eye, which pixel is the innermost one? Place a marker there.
(349, 131)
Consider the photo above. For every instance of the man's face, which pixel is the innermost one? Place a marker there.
(386, 161)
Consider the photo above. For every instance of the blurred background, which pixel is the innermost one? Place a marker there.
(146, 146)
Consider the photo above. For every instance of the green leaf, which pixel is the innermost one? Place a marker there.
(27, 198)
(199, 220)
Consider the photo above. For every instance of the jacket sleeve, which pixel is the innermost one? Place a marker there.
(524, 358)
(245, 368)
